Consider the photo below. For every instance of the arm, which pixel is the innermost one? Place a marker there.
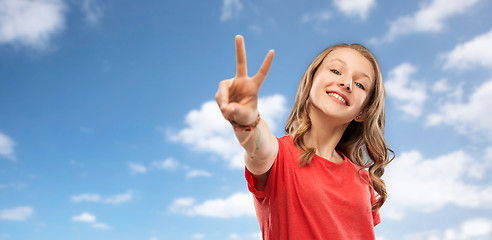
(260, 163)
(238, 101)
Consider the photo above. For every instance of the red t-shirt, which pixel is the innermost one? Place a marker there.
(322, 200)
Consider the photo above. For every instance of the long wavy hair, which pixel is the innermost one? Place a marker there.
(360, 138)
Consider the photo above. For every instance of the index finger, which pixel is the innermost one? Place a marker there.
(265, 67)
(241, 68)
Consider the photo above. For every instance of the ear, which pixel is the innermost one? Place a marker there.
(361, 117)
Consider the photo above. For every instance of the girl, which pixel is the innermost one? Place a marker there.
(315, 182)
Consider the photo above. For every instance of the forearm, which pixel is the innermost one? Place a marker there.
(261, 148)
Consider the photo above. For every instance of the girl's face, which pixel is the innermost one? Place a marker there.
(342, 85)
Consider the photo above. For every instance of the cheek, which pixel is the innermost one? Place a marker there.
(312, 97)
(361, 100)
(316, 87)
(312, 92)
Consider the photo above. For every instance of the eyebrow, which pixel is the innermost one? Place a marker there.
(344, 63)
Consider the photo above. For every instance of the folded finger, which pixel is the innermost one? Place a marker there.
(222, 95)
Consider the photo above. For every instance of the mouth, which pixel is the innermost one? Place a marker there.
(339, 96)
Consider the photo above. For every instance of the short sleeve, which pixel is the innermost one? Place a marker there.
(251, 185)
(376, 218)
(271, 183)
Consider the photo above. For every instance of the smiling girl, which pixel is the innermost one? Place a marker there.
(320, 181)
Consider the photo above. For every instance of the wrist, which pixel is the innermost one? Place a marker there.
(242, 127)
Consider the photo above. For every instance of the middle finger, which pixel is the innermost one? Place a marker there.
(241, 68)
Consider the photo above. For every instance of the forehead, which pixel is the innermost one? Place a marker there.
(353, 60)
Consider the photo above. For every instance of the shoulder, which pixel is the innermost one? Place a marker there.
(287, 151)
(287, 142)
(286, 138)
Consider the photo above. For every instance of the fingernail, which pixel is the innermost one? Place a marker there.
(233, 109)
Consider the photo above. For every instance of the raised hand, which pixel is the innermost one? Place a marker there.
(238, 97)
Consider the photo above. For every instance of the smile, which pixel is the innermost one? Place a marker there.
(338, 97)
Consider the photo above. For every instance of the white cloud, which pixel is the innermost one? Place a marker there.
(472, 229)
(117, 199)
(478, 227)
(198, 236)
(198, 173)
(488, 153)
(256, 29)
(136, 168)
(16, 214)
(430, 18)
(93, 12)
(433, 183)
(181, 203)
(6, 147)
(167, 164)
(230, 9)
(250, 236)
(30, 22)
(476, 52)
(100, 225)
(256, 235)
(84, 217)
(237, 205)
(86, 197)
(90, 218)
(75, 163)
(441, 86)
(467, 117)
(207, 131)
(4, 236)
(120, 198)
(15, 185)
(407, 92)
(358, 8)
(317, 17)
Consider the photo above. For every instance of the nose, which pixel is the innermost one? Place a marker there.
(346, 84)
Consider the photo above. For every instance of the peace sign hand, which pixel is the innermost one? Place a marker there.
(238, 97)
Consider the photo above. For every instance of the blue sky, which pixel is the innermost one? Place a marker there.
(109, 128)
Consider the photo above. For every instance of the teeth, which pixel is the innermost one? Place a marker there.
(338, 97)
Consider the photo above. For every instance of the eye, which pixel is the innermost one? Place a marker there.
(335, 71)
(360, 86)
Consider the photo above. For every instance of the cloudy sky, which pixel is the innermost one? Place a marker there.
(109, 128)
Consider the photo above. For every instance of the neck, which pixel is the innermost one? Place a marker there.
(324, 135)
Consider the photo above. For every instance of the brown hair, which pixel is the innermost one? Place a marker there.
(359, 138)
